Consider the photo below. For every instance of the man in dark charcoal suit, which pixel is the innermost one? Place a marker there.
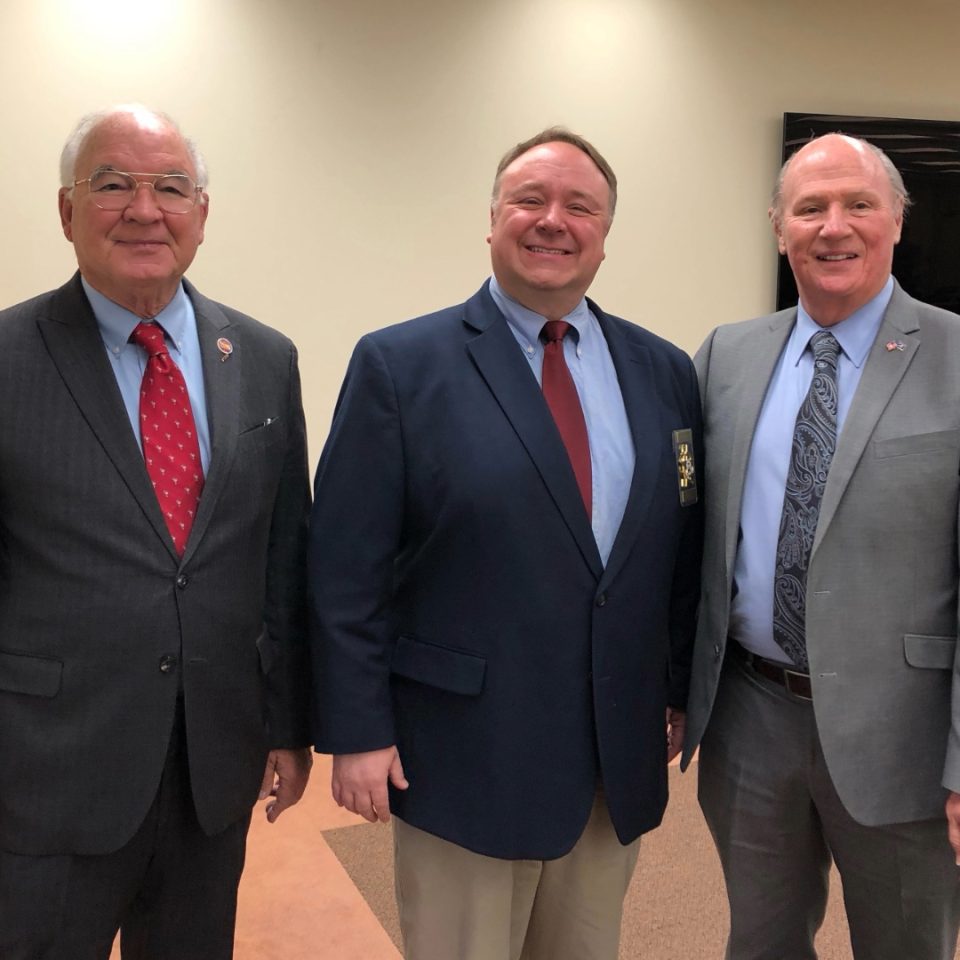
(153, 509)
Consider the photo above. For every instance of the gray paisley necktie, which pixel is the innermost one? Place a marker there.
(814, 441)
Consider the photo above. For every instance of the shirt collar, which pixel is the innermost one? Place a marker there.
(855, 334)
(116, 323)
(529, 324)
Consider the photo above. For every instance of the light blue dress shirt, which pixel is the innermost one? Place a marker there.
(751, 611)
(595, 377)
(128, 360)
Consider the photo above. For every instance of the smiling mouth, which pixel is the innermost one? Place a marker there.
(836, 257)
(551, 251)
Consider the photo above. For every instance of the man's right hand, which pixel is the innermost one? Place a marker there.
(360, 782)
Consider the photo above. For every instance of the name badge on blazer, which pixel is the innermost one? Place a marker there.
(686, 467)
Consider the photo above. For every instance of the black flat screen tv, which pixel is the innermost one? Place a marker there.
(927, 154)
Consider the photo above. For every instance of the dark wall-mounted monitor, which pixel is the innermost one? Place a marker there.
(927, 154)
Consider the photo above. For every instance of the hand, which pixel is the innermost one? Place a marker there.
(359, 782)
(285, 778)
(676, 722)
(953, 823)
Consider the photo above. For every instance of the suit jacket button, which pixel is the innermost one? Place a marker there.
(168, 664)
(182, 580)
(601, 600)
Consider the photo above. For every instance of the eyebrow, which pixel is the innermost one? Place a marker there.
(110, 168)
(539, 185)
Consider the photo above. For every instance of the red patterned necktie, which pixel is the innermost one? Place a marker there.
(170, 447)
(560, 392)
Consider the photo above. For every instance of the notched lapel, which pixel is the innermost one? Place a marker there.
(635, 375)
(73, 341)
(757, 362)
(221, 378)
(500, 362)
(881, 376)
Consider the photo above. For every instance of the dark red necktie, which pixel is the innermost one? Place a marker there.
(560, 392)
(170, 447)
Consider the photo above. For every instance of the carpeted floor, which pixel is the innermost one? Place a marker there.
(675, 909)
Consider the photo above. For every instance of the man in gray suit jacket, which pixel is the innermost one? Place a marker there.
(826, 646)
(151, 628)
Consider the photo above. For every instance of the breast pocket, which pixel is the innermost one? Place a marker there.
(34, 676)
(918, 443)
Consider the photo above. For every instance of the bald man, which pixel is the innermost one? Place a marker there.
(825, 658)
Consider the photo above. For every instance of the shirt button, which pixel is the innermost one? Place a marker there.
(601, 600)
(182, 580)
(168, 664)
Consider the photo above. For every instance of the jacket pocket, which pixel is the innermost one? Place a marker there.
(915, 443)
(34, 676)
(438, 666)
(933, 653)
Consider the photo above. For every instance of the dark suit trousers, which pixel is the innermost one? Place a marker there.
(171, 890)
(777, 821)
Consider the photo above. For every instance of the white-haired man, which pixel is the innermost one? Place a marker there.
(153, 506)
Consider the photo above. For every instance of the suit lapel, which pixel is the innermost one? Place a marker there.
(637, 386)
(221, 378)
(881, 376)
(501, 364)
(760, 356)
(75, 346)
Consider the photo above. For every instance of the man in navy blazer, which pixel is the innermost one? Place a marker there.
(497, 646)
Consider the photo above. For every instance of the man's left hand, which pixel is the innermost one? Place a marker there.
(953, 823)
(285, 779)
(676, 721)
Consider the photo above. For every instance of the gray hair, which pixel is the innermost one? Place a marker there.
(88, 123)
(893, 175)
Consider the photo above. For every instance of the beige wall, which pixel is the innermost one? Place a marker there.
(352, 143)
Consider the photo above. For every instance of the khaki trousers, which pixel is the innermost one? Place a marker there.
(458, 905)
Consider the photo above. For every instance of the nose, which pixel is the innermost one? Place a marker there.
(835, 221)
(551, 218)
(143, 205)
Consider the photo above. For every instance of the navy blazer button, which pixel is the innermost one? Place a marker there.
(168, 664)
(182, 580)
(601, 600)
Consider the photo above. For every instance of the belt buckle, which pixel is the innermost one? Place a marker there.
(789, 676)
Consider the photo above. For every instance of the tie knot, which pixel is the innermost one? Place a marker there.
(826, 349)
(554, 330)
(150, 337)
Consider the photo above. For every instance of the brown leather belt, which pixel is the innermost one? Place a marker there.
(793, 681)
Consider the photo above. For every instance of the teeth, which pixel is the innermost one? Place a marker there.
(837, 256)
(546, 250)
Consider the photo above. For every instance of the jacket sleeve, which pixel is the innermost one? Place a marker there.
(355, 537)
(287, 679)
(685, 595)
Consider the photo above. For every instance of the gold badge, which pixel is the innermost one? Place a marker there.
(686, 468)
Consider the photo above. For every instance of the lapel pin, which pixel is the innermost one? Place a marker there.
(226, 348)
(892, 345)
(686, 469)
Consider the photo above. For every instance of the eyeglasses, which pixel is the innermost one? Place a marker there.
(116, 189)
